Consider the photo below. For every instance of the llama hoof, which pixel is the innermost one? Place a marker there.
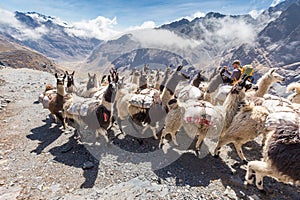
(262, 191)
(216, 156)
(197, 151)
(244, 162)
(160, 145)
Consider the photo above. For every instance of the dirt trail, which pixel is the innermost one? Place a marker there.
(38, 160)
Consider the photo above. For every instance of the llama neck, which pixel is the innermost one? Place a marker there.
(166, 96)
(164, 81)
(61, 90)
(231, 106)
(106, 104)
(263, 86)
(107, 100)
(135, 79)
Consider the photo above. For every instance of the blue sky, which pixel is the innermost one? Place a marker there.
(133, 12)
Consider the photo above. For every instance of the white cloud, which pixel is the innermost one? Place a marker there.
(191, 17)
(275, 2)
(195, 15)
(15, 28)
(158, 38)
(255, 13)
(236, 30)
(145, 25)
(100, 28)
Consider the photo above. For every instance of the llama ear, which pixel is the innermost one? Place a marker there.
(89, 75)
(64, 76)
(73, 73)
(56, 76)
(117, 78)
(67, 73)
(179, 68)
(273, 70)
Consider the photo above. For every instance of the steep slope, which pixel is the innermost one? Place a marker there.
(277, 45)
(16, 56)
(47, 35)
(154, 57)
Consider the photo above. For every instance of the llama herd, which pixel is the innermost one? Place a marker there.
(234, 114)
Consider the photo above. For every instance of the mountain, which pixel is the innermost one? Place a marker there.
(47, 35)
(153, 57)
(17, 56)
(209, 41)
(277, 45)
(198, 41)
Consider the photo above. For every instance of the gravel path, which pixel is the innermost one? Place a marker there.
(38, 160)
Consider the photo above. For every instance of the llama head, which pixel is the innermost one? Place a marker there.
(113, 80)
(60, 79)
(274, 76)
(242, 86)
(175, 78)
(93, 81)
(173, 104)
(70, 78)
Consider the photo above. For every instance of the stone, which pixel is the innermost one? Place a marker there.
(7, 100)
(66, 148)
(88, 165)
(230, 193)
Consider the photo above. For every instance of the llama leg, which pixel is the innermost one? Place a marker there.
(174, 138)
(221, 142)
(103, 133)
(54, 117)
(261, 169)
(153, 128)
(259, 181)
(120, 124)
(163, 135)
(249, 175)
(145, 129)
(238, 148)
(263, 142)
(199, 140)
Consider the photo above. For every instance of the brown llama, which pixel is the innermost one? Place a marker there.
(281, 157)
(58, 100)
(98, 116)
(174, 115)
(246, 125)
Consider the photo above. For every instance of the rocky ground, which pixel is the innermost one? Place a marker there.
(39, 160)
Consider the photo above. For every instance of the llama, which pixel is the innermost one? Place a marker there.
(174, 115)
(151, 116)
(57, 102)
(98, 114)
(295, 98)
(190, 91)
(210, 115)
(281, 157)
(70, 82)
(135, 76)
(46, 96)
(247, 124)
(143, 82)
(91, 88)
(199, 117)
(264, 83)
(250, 122)
(165, 79)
